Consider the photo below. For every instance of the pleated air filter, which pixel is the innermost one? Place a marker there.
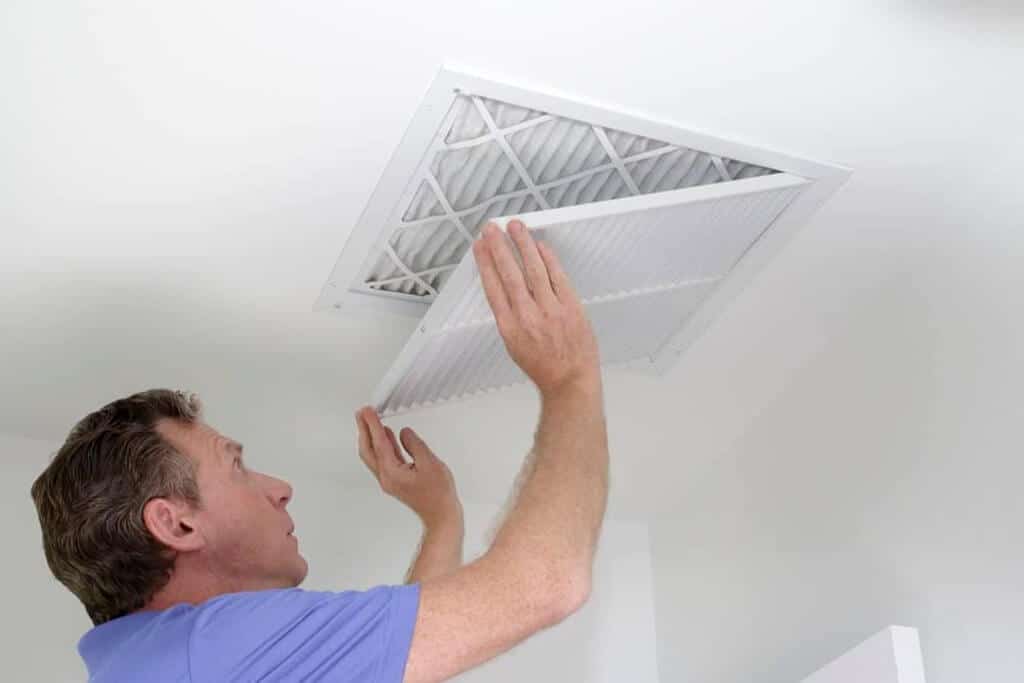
(657, 227)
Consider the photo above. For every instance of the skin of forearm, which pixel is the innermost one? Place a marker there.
(559, 507)
(439, 552)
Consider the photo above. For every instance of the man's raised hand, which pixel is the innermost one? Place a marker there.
(538, 313)
(425, 485)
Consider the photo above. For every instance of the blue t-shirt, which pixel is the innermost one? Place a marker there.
(275, 635)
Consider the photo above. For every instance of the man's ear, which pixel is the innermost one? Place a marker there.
(172, 522)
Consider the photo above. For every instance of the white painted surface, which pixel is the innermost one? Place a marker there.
(880, 485)
(892, 655)
(353, 538)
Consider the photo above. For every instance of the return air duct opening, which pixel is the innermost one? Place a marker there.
(491, 158)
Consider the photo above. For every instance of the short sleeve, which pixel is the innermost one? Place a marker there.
(285, 635)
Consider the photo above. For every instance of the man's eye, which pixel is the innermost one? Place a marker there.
(238, 463)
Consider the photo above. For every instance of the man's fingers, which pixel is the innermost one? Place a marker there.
(493, 288)
(492, 282)
(397, 450)
(508, 269)
(379, 441)
(536, 270)
(365, 449)
(559, 280)
(415, 445)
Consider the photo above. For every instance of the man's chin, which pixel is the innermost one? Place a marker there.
(302, 569)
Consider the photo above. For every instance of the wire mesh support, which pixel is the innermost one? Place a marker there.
(510, 153)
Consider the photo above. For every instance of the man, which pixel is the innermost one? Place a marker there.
(186, 561)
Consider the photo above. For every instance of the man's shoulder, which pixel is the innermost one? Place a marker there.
(288, 632)
(285, 600)
(247, 619)
(129, 648)
(245, 635)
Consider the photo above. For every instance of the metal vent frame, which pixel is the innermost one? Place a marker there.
(490, 159)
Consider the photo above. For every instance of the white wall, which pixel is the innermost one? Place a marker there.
(882, 485)
(354, 538)
(40, 621)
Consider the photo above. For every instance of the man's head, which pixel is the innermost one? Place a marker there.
(144, 492)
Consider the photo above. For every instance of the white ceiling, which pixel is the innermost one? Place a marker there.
(177, 180)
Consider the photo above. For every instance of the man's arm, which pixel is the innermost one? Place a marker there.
(538, 569)
(440, 551)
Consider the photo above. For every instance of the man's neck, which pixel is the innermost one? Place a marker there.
(193, 590)
(191, 586)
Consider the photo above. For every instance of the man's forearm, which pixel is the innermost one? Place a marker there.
(440, 551)
(560, 507)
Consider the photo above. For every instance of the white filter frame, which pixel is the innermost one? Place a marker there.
(448, 313)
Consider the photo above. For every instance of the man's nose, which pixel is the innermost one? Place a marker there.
(280, 491)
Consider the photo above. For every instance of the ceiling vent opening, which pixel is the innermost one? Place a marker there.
(492, 158)
(658, 227)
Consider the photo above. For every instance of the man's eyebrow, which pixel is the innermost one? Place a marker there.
(235, 446)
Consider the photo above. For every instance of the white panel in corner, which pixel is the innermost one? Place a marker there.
(890, 656)
(641, 265)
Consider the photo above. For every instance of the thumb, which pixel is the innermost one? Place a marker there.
(416, 446)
